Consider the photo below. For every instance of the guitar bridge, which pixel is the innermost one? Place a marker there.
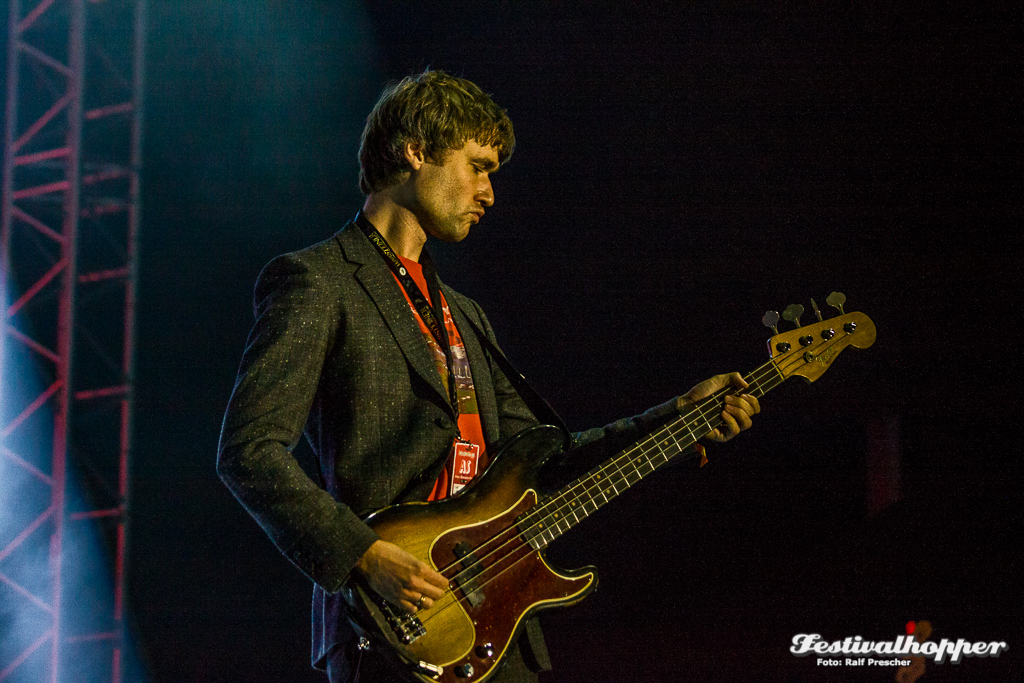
(407, 627)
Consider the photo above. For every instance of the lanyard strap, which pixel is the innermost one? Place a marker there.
(534, 401)
(428, 312)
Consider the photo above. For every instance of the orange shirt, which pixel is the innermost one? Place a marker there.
(451, 481)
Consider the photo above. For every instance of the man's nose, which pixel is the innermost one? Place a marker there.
(485, 195)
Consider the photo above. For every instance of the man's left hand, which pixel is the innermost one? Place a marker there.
(739, 407)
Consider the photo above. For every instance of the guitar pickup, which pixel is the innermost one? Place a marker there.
(471, 568)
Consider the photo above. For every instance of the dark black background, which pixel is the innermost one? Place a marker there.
(681, 168)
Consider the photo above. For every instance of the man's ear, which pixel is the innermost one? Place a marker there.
(413, 153)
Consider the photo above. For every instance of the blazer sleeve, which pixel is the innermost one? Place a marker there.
(297, 319)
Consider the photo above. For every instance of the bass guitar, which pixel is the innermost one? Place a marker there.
(489, 540)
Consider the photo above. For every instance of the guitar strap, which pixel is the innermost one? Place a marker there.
(541, 409)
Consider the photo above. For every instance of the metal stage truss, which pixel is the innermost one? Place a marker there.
(68, 273)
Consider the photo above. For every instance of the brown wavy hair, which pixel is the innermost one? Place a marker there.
(439, 112)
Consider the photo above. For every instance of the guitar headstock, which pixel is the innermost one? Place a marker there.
(808, 351)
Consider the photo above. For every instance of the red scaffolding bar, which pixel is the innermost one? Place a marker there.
(68, 235)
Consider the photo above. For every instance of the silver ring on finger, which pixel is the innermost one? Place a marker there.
(419, 603)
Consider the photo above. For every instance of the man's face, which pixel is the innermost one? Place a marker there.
(451, 196)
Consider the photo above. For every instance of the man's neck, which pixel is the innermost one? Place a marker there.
(396, 224)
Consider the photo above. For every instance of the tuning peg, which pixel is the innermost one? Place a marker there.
(836, 301)
(771, 320)
(816, 311)
(793, 313)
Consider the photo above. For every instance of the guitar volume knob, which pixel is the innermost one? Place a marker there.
(464, 671)
(485, 651)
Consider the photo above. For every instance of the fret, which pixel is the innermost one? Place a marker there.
(620, 477)
(649, 462)
(587, 512)
(630, 471)
(636, 475)
(675, 441)
(650, 467)
(693, 439)
(604, 485)
(630, 475)
(575, 514)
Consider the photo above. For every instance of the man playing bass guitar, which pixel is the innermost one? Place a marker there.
(394, 377)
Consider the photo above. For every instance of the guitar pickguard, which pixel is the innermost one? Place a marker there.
(501, 581)
(498, 580)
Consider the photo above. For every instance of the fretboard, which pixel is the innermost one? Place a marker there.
(555, 515)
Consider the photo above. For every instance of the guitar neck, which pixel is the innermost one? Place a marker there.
(598, 487)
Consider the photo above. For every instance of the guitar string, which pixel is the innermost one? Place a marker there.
(541, 510)
(512, 534)
(625, 458)
(617, 462)
(620, 468)
(525, 544)
(758, 382)
(529, 549)
(656, 436)
(643, 446)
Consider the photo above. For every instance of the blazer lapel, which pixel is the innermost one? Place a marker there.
(379, 283)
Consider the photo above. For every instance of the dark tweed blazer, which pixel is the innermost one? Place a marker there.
(337, 353)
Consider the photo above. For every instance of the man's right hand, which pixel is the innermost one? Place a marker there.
(400, 578)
